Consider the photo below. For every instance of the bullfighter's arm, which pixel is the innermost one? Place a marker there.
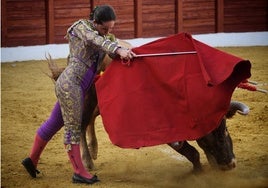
(86, 33)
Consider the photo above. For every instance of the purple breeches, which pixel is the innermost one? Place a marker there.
(56, 120)
(52, 125)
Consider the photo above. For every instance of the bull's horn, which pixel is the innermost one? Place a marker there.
(239, 107)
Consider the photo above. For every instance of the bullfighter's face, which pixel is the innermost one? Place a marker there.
(105, 27)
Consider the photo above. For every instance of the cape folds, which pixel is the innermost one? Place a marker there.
(163, 99)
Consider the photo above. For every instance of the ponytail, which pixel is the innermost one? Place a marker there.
(91, 15)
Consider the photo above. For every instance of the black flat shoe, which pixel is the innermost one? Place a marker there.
(79, 179)
(29, 166)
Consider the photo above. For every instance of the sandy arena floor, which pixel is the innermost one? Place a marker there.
(28, 97)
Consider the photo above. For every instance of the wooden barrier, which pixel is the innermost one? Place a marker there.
(38, 22)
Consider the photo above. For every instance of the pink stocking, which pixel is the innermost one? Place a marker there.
(38, 146)
(75, 158)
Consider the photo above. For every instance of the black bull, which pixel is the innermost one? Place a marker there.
(217, 145)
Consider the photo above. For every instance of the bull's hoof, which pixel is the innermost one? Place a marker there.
(79, 179)
(198, 170)
(89, 164)
(29, 166)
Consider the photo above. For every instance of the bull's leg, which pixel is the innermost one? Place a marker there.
(88, 109)
(86, 158)
(190, 153)
(92, 139)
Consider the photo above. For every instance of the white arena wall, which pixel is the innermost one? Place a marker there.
(25, 53)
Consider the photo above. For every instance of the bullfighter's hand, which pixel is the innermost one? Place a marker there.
(126, 55)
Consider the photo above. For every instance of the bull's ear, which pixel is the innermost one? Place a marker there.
(239, 107)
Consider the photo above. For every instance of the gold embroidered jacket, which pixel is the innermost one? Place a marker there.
(87, 46)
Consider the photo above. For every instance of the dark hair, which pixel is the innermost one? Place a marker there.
(102, 13)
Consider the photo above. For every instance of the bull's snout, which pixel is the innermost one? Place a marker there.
(229, 166)
(232, 164)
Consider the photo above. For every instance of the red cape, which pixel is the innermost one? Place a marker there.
(163, 99)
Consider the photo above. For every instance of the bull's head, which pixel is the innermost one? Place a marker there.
(218, 145)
